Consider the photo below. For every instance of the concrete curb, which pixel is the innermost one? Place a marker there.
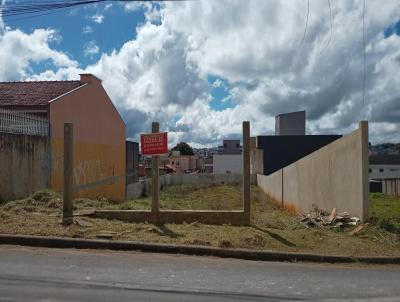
(62, 242)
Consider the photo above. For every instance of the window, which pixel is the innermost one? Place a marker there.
(380, 170)
(237, 145)
(370, 170)
(225, 145)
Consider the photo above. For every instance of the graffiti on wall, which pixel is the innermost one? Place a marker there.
(88, 173)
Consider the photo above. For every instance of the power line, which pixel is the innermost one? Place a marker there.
(305, 28)
(330, 35)
(44, 7)
(364, 64)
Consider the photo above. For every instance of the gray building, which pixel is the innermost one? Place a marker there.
(293, 123)
(132, 162)
(230, 146)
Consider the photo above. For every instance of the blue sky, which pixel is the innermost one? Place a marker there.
(77, 29)
(117, 27)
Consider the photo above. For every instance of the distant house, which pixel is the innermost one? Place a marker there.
(181, 163)
(230, 146)
(384, 173)
(99, 131)
(384, 166)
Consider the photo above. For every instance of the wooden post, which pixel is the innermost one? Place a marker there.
(246, 168)
(155, 128)
(68, 173)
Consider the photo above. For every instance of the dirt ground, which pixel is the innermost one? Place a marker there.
(272, 228)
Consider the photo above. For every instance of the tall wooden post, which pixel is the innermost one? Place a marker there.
(68, 173)
(155, 128)
(246, 168)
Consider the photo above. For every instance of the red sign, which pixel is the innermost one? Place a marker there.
(154, 143)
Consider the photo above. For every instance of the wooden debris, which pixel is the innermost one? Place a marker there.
(83, 223)
(320, 218)
(332, 217)
(356, 230)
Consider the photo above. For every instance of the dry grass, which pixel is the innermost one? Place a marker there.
(272, 228)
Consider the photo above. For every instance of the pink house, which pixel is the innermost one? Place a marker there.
(182, 163)
(99, 131)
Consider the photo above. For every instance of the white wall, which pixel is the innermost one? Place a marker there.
(384, 171)
(228, 162)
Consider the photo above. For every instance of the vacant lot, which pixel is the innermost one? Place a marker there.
(272, 228)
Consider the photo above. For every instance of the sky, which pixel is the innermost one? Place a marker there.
(202, 67)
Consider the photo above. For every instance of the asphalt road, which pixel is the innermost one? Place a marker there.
(30, 274)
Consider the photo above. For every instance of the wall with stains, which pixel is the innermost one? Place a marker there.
(335, 176)
(24, 165)
(99, 142)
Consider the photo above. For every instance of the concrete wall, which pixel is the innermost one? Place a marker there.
(99, 142)
(227, 163)
(335, 176)
(24, 165)
(143, 188)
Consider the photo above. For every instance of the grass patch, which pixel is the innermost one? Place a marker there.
(272, 228)
(385, 212)
(197, 197)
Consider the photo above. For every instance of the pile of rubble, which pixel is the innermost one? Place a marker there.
(320, 218)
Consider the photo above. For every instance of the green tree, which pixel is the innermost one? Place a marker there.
(184, 149)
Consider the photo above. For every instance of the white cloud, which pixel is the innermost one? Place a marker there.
(151, 11)
(97, 18)
(217, 83)
(91, 48)
(255, 46)
(18, 50)
(87, 30)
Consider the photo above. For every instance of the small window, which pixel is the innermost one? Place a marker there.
(237, 145)
(225, 145)
(173, 162)
(380, 170)
(370, 170)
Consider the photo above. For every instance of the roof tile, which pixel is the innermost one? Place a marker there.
(34, 93)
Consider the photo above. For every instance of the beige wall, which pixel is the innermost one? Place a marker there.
(335, 176)
(99, 142)
(24, 165)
